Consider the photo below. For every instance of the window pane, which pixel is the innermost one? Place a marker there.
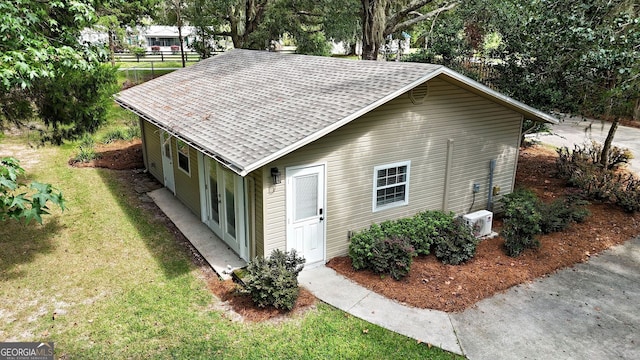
(382, 174)
(306, 196)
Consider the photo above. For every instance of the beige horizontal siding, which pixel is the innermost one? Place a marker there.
(258, 210)
(187, 185)
(401, 131)
(153, 150)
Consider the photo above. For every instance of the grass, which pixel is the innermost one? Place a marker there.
(104, 279)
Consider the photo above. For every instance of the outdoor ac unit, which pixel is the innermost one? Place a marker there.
(480, 222)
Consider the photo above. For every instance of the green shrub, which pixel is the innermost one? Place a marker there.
(457, 244)
(138, 51)
(431, 228)
(274, 281)
(627, 194)
(392, 256)
(361, 246)
(521, 224)
(559, 214)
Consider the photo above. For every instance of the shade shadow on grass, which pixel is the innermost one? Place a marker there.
(20, 243)
(150, 223)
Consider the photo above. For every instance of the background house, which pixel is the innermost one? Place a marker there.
(290, 151)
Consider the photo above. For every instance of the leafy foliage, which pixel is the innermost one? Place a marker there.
(559, 214)
(392, 256)
(46, 71)
(457, 245)
(362, 245)
(583, 169)
(389, 247)
(77, 104)
(20, 201)
(274, 281)
(521, 224)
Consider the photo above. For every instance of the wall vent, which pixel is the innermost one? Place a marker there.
(419, 93)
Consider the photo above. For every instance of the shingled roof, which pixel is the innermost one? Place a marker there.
(247, 108)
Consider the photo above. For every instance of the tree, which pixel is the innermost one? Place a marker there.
(41, 52)
(20, 201)
(114, 15)
(381, 18)
(254, 24)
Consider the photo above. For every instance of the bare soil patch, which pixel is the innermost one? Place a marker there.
(118, 155)
(431, 284)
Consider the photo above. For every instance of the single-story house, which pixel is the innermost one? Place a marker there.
(289, 151)
(164, 37)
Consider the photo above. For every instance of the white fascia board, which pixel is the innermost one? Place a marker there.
(524, 109)
(317, 135)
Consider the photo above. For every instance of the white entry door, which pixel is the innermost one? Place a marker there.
(225, 205)
(305, 212)
(167, 161)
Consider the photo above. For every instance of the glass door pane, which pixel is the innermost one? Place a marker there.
(230, 203)
(215, 197)
(306, 196)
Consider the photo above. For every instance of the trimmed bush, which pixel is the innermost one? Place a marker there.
(274, 281)
(457, 244)
(431, 227)
(361, 246)
(392, 256)
(559, 214)
(627, 194)
(521, 224)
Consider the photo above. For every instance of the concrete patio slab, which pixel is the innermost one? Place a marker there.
(212, 249)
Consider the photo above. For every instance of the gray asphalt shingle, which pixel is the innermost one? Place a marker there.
(245, 106)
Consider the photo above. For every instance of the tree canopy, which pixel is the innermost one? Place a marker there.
(46, 71)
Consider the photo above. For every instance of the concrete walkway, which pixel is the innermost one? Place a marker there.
(589, 311)
(215, 251)
(577, 131)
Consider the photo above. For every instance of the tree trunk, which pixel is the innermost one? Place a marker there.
(181, 42)
(604, 156)
(112, 47)
(373, 24)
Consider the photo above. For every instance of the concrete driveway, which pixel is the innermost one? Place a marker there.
(576, 131)
(589, 311)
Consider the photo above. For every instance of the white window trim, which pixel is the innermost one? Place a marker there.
(375, 206)
(188, 155)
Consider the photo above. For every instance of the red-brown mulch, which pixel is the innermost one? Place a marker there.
(431, 284)
(118, 155)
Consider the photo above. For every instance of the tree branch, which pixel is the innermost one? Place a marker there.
(398, 26)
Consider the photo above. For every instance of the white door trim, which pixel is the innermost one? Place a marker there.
(168, 174)
(239, 243)
(320, 216)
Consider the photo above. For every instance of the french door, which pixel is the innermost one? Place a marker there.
(225, 203)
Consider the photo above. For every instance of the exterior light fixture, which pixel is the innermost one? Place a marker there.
(275, 175)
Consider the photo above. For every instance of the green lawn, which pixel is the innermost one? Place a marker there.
(104, 279)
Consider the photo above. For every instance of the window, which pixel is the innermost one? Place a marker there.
(183, 156)
(391, 185)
